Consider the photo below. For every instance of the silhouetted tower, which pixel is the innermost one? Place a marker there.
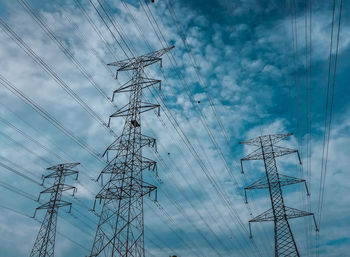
(280, 214)
(120, 231)
(44, 245)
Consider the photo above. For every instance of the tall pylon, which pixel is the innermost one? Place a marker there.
(120, 231)
(280, 214)
(44, 245)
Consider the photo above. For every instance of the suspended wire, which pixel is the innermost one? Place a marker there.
(328, 117)
(19, 173)
(25, 148)
(54, 153)
(308, 80)
(196, 68)
(33, 198)
(41, 146)
(201, 115)
(199, 200)
(100, 35)
(186, 241)
(190, 168)
(9, 124)
(61, 46)
(308, 64)
(183, 37)
(80, 203)
(46, 115)
(58, 232)
(184, 194)
(49, 118)
(18, 40)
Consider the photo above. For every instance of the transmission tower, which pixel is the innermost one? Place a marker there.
(44, 245)
(120, 231)
(279, 213)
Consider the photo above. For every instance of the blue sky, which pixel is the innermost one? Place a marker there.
(237, 71)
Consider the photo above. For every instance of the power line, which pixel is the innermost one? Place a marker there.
(53, 74)
(58, 232)
(46, 115)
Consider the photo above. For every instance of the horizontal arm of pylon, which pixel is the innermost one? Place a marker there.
(58, 204)
(283, 179)
(121, 144)
(144, 82)
(117, 165)
(65, 173)
(148, 164)
(133, 63)
(278, 151)
(266, 139)
(125, 110)
(138, 187)
(146, 59)
(255, 155)
(53, 189)
(64, 166)
(148, 141)
(291, 213)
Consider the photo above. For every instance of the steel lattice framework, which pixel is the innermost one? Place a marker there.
(280, 214)
(120, 231)
(44, 245)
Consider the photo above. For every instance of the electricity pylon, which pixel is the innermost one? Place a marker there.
(44, 245)
(120, 231)
(280, 214)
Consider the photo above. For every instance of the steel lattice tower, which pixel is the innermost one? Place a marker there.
(280, 214)
(44, 245)
(120, 231)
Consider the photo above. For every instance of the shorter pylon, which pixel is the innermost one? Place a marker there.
(44, 245)
(268, 151)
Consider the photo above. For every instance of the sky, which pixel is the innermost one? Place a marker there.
(239, 69)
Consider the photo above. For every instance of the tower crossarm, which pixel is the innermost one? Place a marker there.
(125, 110)
(62, 188)
(266, 139)
(138, 188)
(121, 144)
(277, 151)
(148, 141)
(64, 166)
(115, 167)
(58, 204)
(284, 181)
(146, 60)
(143, 81)
(291, 213)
